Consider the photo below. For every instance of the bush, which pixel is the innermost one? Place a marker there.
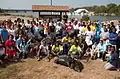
(85, 18)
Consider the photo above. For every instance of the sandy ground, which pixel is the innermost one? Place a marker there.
(32, 69)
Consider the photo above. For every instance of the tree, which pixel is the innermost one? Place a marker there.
(104, 9)
(72, 10)
(85, 18)
(0, 10)
(111, 7)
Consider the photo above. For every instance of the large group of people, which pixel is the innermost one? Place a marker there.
(46, 37)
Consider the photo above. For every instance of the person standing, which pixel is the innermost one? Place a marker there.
(113, 37)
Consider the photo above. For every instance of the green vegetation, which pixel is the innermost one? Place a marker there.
(103, 10)
(1, 10)
(85, 18)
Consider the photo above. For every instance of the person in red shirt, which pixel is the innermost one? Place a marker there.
(69, 28)
(10, 47)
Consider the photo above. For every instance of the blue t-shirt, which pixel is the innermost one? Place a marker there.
(4, 34)
(114, 59)
(98, 32)
(113, 35)
(18, 42)
(0, 30)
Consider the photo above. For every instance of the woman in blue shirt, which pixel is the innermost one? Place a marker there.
(113, 37)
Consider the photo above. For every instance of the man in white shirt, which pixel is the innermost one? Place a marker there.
(76, 28)
(81, 29)
(118, 27)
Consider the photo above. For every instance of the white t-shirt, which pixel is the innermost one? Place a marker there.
(104, 35)
(36, 30)
(118, 28)
(89, 35)
(58, 28)
(81, 29)
(28, 25)
(75, 27)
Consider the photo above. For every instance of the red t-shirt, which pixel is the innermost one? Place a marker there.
(69, 28)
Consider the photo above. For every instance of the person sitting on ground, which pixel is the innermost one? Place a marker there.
(24, 47)
(75, 50)
(107, 53)
(113, 60)
(101, 48)
(10, 48)
(43, 50)
(66, 45)
(57, 49)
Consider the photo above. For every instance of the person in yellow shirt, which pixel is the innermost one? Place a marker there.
(75, 50)
(85, 29)
(92, 26)
(57, 49)
(65, 38)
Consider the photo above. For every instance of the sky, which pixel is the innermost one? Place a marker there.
(27, 4)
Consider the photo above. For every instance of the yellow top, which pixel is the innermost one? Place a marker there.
(57, 49)
(75, 49)
(92, 28)
(65, 39)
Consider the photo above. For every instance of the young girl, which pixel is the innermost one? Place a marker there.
(24, 47)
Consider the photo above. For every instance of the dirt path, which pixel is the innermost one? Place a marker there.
(31, 69)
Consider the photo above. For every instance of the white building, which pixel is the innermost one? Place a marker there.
(81, 12)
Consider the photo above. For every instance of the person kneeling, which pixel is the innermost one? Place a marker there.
(112, 64)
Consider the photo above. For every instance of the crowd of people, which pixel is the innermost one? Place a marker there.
(71, 38)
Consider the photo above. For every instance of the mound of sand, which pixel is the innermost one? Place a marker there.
(32, 69)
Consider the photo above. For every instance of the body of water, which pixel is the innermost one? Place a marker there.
(101, 18)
